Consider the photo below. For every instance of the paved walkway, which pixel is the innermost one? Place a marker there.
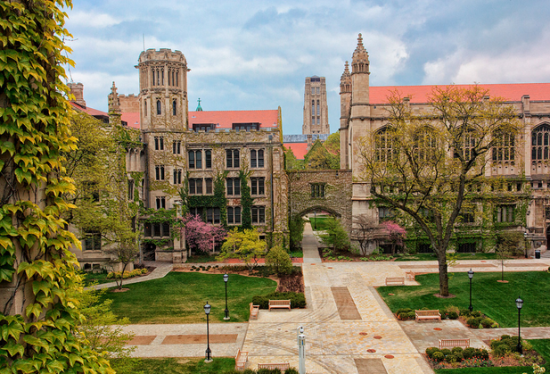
(161, 269)
(309, 246)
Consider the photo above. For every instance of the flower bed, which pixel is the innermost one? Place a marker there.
(474, 319)
(127, 274)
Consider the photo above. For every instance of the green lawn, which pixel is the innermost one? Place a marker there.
(173, 366)
(195, 259)
(98, 278)
(318, 224)
(296, 254)
(431, 256)
(496, 300)
(180, 297)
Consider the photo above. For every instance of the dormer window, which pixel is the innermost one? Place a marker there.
(246, 126)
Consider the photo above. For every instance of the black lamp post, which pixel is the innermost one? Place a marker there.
(225, 279)
(471, 276)
(208, 357)
(519, 304)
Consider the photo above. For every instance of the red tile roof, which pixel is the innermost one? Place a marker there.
(299, 149)
(132, 118)
(225, 119)
(88, 110)
(420, 94)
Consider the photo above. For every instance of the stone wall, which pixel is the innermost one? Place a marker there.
(128, 104)
(337, 193)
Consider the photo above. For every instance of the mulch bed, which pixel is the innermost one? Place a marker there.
(529, 357)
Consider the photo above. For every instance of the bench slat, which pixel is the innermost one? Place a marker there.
(280, 366)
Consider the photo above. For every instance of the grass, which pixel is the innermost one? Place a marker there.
(496, 300)
(180, 297)
(318, 223)
(200, 258)
(98, 278)
(173, 366)
(296, 254)
(542, 346)
(461, 256)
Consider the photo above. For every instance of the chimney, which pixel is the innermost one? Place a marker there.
(77, 90)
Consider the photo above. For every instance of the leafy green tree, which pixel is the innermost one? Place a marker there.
(245, 245)
(39, 313)
(332, 144)
(335, 234)
(279, 260)
(291, 162)
(433, 157)
(296, 229)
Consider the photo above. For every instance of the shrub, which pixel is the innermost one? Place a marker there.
(468, 353)
(464, 312)
(487, 323)
(501, 350)
(458, 356)
(291, 371)
(411, 315)
(403, 310)
(446, 351)
(476, 313)
(438, 356)
(482, 354)
(431, 350)
(474, 322)
(456, 350)
(452, 315)
(279, 260)
(451, 358)
(443, 314)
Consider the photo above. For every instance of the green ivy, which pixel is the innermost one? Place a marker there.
(35, 248)
(246, 200)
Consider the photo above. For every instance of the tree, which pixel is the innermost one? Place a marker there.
(319, 158)
(279, 260)
(291, 162)
(124, 254)
(332, 144)
(38, 310)
(335, 234)
(363, 231)
(422, 164)
(296, 231)
(201, 236)
(245, 245)
(396, 234)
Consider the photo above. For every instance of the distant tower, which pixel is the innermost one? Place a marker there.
(315, 107)
(345, 111)
(199, 107)
(162, 90)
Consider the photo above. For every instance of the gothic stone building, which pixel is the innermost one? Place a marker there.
(525, 164)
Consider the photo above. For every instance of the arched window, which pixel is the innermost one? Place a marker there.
(466, 145)
(159, 111)
(539, 142)
(312, 107)
(318, 108)
(174, 106)
(145, 106)
(504, 148)
(384, 150)
(425, 144)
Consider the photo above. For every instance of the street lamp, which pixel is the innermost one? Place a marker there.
(471, 276)
(225, 279)
(519, 304)
(208, 357)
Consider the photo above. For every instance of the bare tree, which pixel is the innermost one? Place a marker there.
(364, 229)
(122, 254)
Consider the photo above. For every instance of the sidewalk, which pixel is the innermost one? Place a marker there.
(161, 269)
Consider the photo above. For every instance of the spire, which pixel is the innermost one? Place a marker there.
(114, 103)
(360, 59)
(199, 108)
(345, 80)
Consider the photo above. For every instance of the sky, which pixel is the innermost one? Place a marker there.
(256, 54)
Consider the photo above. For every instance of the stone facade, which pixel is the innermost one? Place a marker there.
(321, 190)
(364, 111)
(315, 107)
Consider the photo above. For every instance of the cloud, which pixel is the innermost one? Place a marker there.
(91, 19)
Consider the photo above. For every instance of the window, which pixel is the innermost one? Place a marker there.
(425, 144)
(466, 248)
(145, 107)
(246, 126)
(467, 215)
(234, 215)
(159, 172)
(257, 186)
(213, 215)
(505, 213)
(196, 211)
(159, 143)
(317, 190)
(130, 190)
(174, 107)
(92, 241)
(147, 228)
(195, 186)
(177, 176)
(313, 109)
(195, 159)
(208, 159)
(257, 158)
(466, 145)
(424, 248)
(318, 109)
(233, 186)
(504, 148)
(317, 90)
(383, 140)
(232, 158)
(384, 214)
(176, 147)
(159, 107)
(161, 202)
(157, 229)
(203, 127)
(208, 183)
(258, 214)
(539, 143)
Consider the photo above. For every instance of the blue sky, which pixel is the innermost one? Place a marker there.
(254, 54)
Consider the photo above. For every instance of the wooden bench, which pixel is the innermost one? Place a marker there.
(281, 366)
(427, 315)
(254, 309)
(395, 280)
(279, 304)
(451, 343)
(240, 360)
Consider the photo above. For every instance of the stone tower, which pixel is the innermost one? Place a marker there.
(345, 111)
(162, 90)
(315, 107)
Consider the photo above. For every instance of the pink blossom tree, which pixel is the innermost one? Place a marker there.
(396, 234)
(201, 236)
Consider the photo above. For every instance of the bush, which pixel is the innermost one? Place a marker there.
(473, 322)
(291, 371)
(458, 356)
(438, 356)
(465, 313)
(482, 354)
(297, 300)
(443, 314)
(451, 358)
(452, 315)
(456, 350)
(446, 351)
(431, 350)
(279, 260)
(487, 323)
(468, 353)
(476, 313)
(501, 350)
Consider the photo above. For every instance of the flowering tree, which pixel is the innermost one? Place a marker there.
(201, 236)
(396, 232)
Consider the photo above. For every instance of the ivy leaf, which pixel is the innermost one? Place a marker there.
(25, 366)
(55, 365)
(36, 342)
(43, 286)
(34, 309)
(6, 274)
(74, 358)
(13, 348)
(12, 329)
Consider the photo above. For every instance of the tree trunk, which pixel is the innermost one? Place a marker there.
(443, 275)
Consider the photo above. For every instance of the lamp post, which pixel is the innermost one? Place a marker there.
(471, 276)
(225, 279)
(519, 305)
(208, 357)
(525, 246)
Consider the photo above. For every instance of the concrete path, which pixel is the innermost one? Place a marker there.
(310, 246)
(161, 269)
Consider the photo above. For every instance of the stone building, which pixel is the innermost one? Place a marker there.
(315, 107)
(524, 166)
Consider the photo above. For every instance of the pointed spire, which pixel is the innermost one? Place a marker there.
(345, 80)
(199, 108)
(360, 60)
(114, 103)
(360, 47)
